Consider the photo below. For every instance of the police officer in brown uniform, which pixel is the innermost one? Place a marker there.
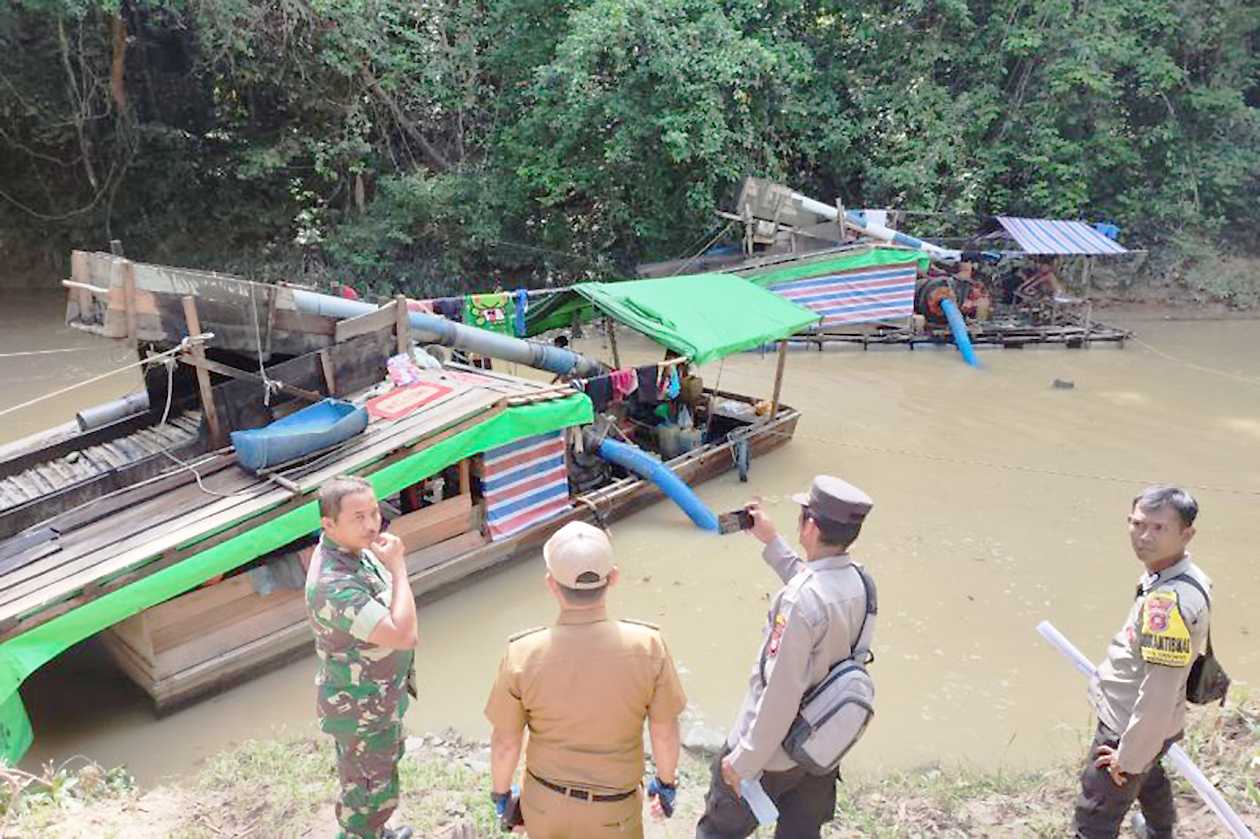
(1139, 691)
(814, 622)
(583, 689)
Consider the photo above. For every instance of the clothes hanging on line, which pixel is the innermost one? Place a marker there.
(522, 306)
(672, 384)
(647, 376)
(451, 308)
(600, 391)
(495, 312)
(624, 382)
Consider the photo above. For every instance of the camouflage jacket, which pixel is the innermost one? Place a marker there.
(360, 686)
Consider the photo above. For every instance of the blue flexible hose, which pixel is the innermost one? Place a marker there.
(959, 328)
(644, 465)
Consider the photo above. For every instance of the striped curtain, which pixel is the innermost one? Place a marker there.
(863, 295)
(524, 483)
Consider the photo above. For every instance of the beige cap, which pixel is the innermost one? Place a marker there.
(835, 500)
(576, 549)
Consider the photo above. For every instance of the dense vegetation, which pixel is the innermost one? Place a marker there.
(428, 142)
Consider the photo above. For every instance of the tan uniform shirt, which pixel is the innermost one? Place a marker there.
(813, 623)
(584, 688)
(1139, 691)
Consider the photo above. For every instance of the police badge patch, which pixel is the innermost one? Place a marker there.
(1164, 639)
(776, 635)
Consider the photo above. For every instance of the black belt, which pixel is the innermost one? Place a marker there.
(581, 794)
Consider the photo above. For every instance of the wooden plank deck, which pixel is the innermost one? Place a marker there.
(101, 550)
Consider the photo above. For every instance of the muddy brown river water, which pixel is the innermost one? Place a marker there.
(999, 502)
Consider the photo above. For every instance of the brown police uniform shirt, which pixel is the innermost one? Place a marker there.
(1139, 690)
(584, 688)
(814, 622)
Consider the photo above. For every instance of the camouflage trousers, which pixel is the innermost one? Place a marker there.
(367, 767)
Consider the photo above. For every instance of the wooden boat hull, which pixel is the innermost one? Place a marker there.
(35, 485)
(215, 637)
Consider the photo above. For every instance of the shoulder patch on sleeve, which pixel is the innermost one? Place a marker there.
(518, 636)
(1190, 600)
(640, 623)
(1164, 637)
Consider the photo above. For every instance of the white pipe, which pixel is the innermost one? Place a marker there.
(1180, 760)
(877, 231)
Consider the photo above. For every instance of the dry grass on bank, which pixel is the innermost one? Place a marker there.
(285, 788)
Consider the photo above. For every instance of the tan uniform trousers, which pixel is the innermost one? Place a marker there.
(550, 815)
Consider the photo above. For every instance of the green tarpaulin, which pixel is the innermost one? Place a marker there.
(701, 316)
(555, 311)
(22, 655)
(872, 257)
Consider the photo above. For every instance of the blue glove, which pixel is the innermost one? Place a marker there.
(500, 800)
(665, 792)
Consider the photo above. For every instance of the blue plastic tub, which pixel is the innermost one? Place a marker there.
(316, 427)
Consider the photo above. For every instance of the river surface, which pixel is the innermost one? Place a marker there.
(999, 502)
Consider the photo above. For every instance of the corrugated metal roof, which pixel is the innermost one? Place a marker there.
(1053, 236)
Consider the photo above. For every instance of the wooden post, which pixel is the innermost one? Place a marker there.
(1085, 271)
(217, 438)
(273, 299)
(402, 328)
(778, 379)
(748, 230)
(81, 272)
(129, 298)
(465, 477)
(330, 379)
(611, 328)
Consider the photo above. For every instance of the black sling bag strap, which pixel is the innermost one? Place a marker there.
(1208, 682)
(872, 608)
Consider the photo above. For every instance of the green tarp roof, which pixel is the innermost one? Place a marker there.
(701, 316)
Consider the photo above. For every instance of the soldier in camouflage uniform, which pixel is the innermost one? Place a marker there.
(360, 605)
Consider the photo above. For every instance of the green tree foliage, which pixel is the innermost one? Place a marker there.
(415, 143)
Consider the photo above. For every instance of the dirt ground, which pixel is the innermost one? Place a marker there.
(287, 788)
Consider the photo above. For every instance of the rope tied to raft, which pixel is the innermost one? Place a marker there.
(144, 362)
(171, 363)
(270, 386)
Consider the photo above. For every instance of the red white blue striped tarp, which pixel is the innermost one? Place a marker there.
(862, 295)
(1052, 236)
(524, 483)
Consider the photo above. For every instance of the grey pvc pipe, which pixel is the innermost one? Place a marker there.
(877, 231)
(435, 329)
(121, 408)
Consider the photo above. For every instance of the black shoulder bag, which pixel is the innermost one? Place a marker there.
(1208, 682)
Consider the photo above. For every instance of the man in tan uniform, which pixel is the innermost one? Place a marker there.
(583, 688)
(814, 622)
(1139, 691)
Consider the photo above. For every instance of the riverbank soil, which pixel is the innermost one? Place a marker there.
(286, 788)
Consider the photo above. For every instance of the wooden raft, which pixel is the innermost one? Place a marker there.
(215, 636)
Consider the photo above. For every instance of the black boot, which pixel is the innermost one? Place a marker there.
(397, 833)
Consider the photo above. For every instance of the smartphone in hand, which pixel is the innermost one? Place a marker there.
(512, 816)
(734, 521)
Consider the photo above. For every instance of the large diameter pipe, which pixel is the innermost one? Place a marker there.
(876, 231)
(644, 465)
(435, 329)
(117, 409)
